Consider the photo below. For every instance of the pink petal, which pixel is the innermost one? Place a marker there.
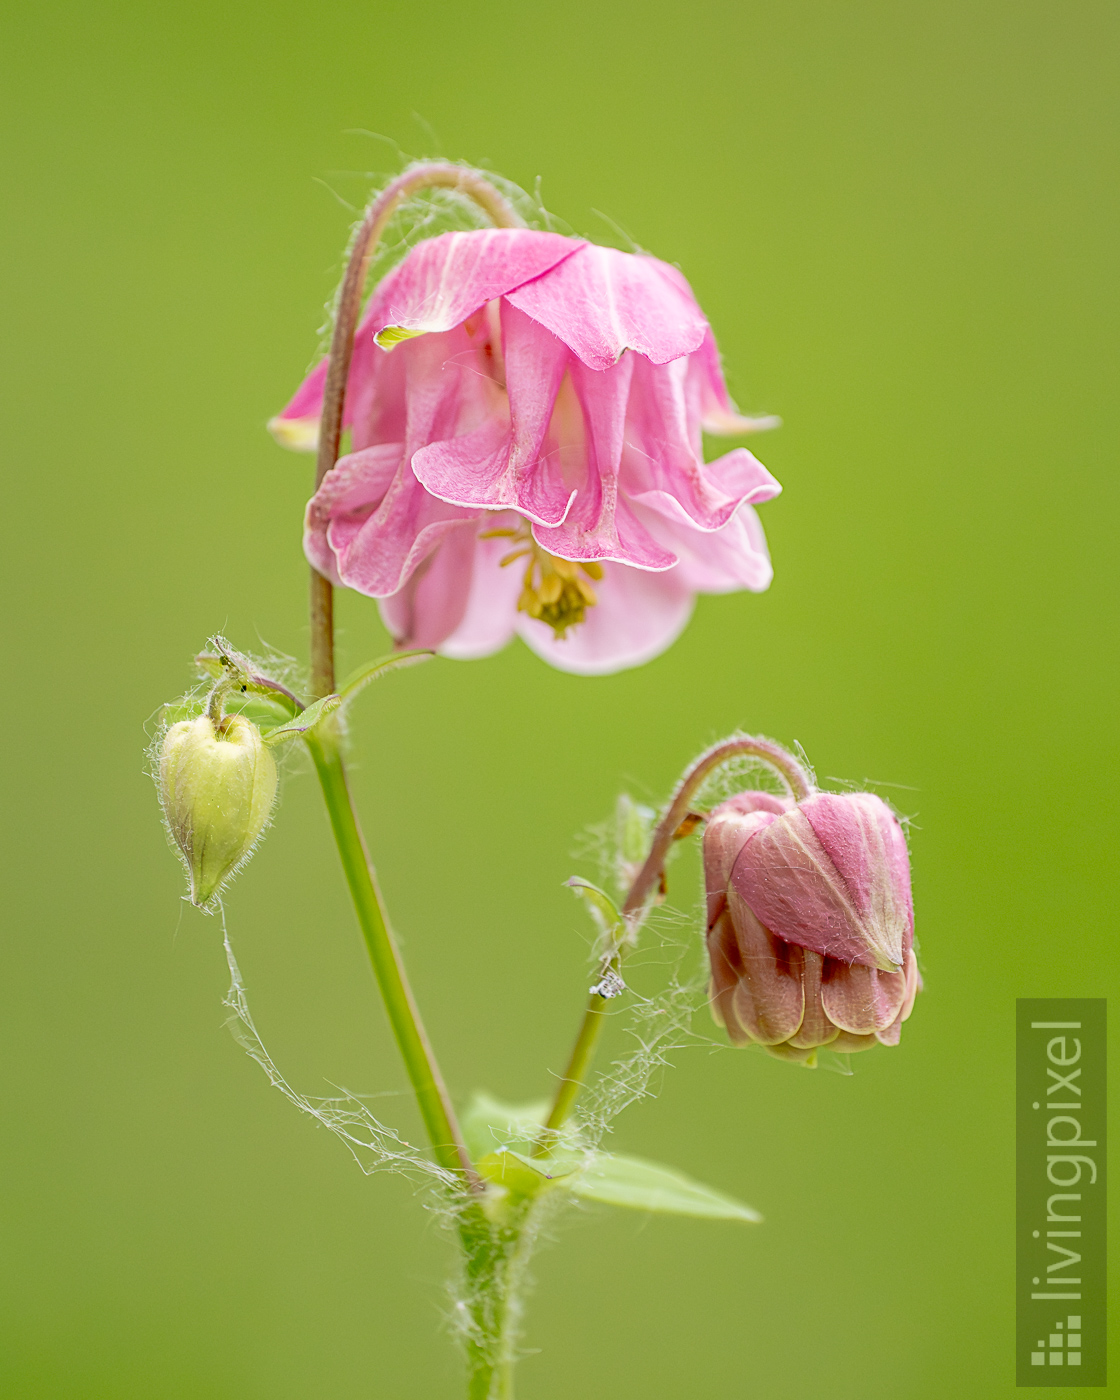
(663, 464)
(500, 464)
(729, 827)
(356, 484)
(297, 426)
(447, 278)
(431, 605)
(600, 526)
(864, 840)
(791, 883)
(637, 617)
(376, 554)
(601, 302)
(714, 408)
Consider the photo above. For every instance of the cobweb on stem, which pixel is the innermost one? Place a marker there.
(372, 1145)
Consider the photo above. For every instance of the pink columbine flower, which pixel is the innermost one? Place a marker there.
(526, 413)
(810, 922)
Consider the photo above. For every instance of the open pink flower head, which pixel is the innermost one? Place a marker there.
(810, 922)
(526, 413)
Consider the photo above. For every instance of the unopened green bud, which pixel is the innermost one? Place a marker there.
(216, 785)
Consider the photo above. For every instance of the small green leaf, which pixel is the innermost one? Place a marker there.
(489, 1124)
(357, 680)
(305, 720)
(617, 1180)
(524, 1175)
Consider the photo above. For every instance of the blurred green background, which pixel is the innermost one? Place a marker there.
(900, 219)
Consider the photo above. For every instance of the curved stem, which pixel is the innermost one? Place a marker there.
(799, 786)
(431, 174)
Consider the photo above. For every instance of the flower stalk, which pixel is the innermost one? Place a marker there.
(798, 785)
(431, 175)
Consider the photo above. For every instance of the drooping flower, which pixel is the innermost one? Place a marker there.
(526, 413)
(810, 922)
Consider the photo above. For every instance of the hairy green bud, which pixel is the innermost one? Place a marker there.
(217, 784)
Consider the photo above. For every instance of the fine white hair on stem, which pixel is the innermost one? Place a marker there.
(372, 1145)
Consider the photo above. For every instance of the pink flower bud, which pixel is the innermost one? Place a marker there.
(810, 922)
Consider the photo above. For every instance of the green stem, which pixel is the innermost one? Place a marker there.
(798, 784)
(431, 1093)
(435, 1106)
(494, 1276)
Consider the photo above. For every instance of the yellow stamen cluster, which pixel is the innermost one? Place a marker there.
(555, 591)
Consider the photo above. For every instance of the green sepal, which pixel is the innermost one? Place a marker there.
(636, 1184)
(393, 335)
(305, 720)
(353, 685)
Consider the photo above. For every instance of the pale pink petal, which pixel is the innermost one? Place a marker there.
(913, 984)
(861, 1000)
(601, 302)
(720, 561)
(491, 611)
(893, 1033)
(723, 956)
(501, 464)
(769, 1001)
(447, 278)
(815, 1029)
(848, 1044)
(637, 617)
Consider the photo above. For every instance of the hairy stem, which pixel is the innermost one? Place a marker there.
(799, 786)
(432, 174)
(494, 1275)
(431, 1093)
